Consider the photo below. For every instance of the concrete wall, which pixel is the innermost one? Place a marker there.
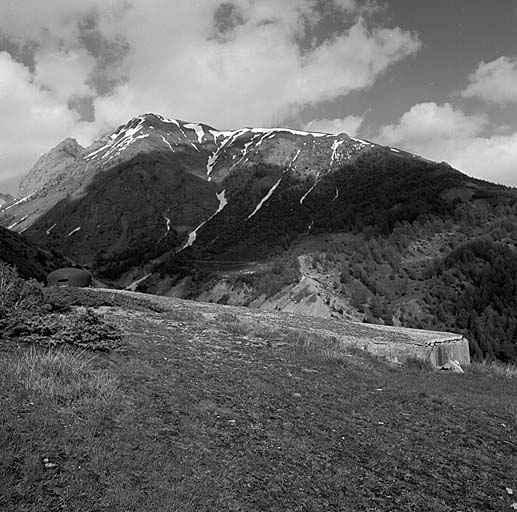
(443, 352)
(436, 353)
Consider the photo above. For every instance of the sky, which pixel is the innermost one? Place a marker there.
(436, 78)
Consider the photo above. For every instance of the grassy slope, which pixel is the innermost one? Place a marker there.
(30, 260)
(211, 413)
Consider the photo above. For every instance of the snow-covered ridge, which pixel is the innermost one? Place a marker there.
(142, 126)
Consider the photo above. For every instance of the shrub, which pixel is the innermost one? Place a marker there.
(19, 299)
(83, 329)
(24, 317)
(17, 294)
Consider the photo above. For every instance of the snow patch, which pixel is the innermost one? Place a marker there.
(288, 130)
(188, 140)
(198, 129)
(120, 140)
(132, 286)
(395, 150)
(264, 199)
(363, 142)
(221, 197)
(50, 228)
(73, 231)
(17, 222)
(93, 153)
(334, 148)
(294, 159)
(212, 159)
(310, 190)
(168, 221)
(168, 143)
(167, 120)
(20, 201)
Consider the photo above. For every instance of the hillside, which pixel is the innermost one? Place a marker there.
(5, 200)
(30, 260)
(272, 218)
(204, 409)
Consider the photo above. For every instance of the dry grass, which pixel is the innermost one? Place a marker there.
(508, 370)
(62, 377)
(233, 325)
(321, 347)
(182, 315)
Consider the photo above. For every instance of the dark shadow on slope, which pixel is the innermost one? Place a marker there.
(144, 205)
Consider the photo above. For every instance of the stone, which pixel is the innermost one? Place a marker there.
(452, 366)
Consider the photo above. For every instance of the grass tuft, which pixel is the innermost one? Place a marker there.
(62, 377)
(233, 325)
(508, 370)
(182, 315)
(324, 348)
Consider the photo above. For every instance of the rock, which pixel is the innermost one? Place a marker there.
(509, 490)
(297, 395)
(51, 166)
(513, 506)
(452, 366)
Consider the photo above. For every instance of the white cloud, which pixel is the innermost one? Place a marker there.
(52, 23)
(249, 69)
(65, 74)
(443, 133)
(433, 122)
(349, 125)
(33, 120)
(494, 81)
(258, 69)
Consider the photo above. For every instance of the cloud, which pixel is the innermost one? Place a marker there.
(33, 120)
(433, 122)
(349, 125)
(65, 74)
(256, 65)
(494, 81)
(229, 63)
(445, 133)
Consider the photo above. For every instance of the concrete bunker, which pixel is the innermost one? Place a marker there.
(70, 277)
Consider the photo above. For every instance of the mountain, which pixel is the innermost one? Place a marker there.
(273, 218)
(30, 260)
(5, 200)
(243, 194)
(193, 170)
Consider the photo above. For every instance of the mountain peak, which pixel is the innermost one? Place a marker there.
(51, 165)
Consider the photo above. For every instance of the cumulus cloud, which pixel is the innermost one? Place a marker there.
(256, 66)
(494, 81)
(445, 133)
(229, 63)
(65, 74)
(349, 125)
(33, 120)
